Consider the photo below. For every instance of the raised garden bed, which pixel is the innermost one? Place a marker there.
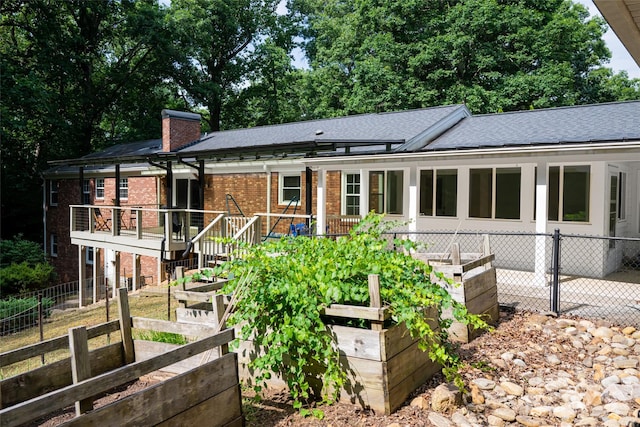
(206, 392)
(383, 363)
(474, 285)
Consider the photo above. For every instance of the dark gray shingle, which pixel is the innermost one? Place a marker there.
(617, 121)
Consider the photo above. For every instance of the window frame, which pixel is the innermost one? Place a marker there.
(123, 188)
(557, 190)
(89, 254)
(54, 189)
(493, 188)
(435, 193)
(281, 188)
(100, 188)
(86, 191)
(384, 190)
(53, 245)
(346, 194)
(622, 196)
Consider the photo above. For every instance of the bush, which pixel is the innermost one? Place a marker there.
(283, 286)
(17, 251)
(17, 278)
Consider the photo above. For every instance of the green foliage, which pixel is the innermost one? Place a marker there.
(23, 277)
(159, 336)
(294, 279)
(18, 250)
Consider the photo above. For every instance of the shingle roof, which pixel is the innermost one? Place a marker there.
(139, 148)
(399, 126)
(618, 121)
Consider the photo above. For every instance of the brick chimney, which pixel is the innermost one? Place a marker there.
(179, 129)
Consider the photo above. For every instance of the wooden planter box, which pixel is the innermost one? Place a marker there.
(205, 393)
(474, 286)
(384, 365)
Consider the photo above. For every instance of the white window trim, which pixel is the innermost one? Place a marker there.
(622, 196)
(343, 202)
(494, 184)
(434, 192)
(86, 190)
(53, 184)
(404, 189)
(561, 167)
(281, 177)
(101, 187)
(120, 187)
(53, 245)
(89, 250)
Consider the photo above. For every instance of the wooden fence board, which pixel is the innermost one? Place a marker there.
(219, 410)
(191, 330)
(162, 401)
(40, 406)
(358, 312)
(56, 375)
(148, 349)
(53, 344)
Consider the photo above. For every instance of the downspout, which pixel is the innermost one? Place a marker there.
(268, 172)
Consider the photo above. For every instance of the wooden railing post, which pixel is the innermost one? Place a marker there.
(125, 326)
(80, 364)
(217, 302)
(375, 300)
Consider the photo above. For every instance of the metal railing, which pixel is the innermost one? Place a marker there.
(586, 276)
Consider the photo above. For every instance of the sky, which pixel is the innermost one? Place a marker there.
(620, 58)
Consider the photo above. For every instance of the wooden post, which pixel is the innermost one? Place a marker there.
(80, 365)
(374, 299)
(180, 275)
(486, 250)
(125, 326)
(455, 260)
(217, 302)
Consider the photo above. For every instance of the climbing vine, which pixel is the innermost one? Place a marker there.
(295, 278)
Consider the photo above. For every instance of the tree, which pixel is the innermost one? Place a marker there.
(213, 47)
(69, 67)
(491, 55)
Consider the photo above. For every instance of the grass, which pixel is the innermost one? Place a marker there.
(153, 307)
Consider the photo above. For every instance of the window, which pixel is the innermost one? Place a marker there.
(352, 194)
(54, 245)
(86, 192)
(100, 188)
(289, 189)
(494, 193)
(569, 188)
(89, 255)
(123, 188)
(622, 195)
(440, 189)
(53, 193)
(385, 191)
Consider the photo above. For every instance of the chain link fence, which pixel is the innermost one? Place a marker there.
(586, 276)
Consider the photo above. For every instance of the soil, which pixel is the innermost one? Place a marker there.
(275, 407)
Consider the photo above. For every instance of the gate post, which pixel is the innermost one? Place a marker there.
(555, 266)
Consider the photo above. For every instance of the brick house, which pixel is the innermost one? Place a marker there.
(439, 168)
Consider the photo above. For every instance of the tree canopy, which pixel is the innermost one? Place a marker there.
(78, 76)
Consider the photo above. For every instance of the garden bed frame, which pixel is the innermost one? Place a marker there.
(206, 392)
(384, 364)
(474, 278)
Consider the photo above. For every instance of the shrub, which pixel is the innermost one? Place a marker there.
(18, 250)
(290, 282)
(165, 337)
(22, 277)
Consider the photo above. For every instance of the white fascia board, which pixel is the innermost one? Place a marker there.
(425, 137)
(255, 166)
(619, 151)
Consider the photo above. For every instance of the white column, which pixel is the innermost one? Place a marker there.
(541, 224)
(136, 271)
(82, 271)
(364, 193)
(321, 208)
(413, 198)
(116, 274)
(96, 267)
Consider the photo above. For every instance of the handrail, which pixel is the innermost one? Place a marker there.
(245, 228)
(208, 227)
